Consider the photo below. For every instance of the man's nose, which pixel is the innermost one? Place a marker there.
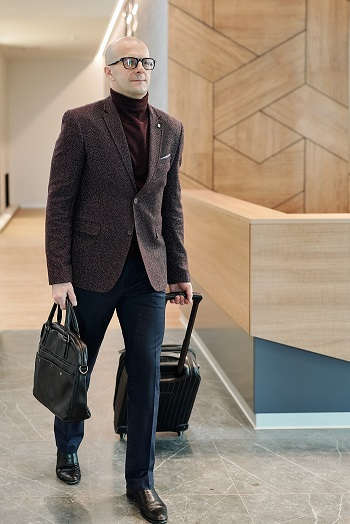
(139, 66)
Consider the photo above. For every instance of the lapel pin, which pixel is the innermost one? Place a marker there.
(158, 125)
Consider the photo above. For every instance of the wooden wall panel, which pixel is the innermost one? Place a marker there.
(223, 244)
(300, 285)
(243, 178)
(259, 137)
(284, 77)
(328, 47)
(197, 160)
(315, 116)
(295, 204)
(202, 50)
(189, 183)
(200, 9)
(260, 25)
(326, 181)
(259, 83)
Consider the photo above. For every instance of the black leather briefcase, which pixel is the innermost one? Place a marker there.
(61, 366)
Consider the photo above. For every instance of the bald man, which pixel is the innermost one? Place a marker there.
(114, 241)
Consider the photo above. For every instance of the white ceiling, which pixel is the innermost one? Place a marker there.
(53, 28)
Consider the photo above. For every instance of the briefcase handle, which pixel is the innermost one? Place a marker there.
(196, 298)
(70, 322)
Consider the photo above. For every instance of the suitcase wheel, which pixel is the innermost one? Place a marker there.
(181, 428)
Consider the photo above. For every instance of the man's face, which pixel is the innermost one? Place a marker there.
(133, 83)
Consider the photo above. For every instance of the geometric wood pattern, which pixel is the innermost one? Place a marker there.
(326, 188)
(245, 137)
(259, 83)
(202, 50)
(259, 183)
(259, 25)
(278, 72)
(327, 56)
(188, 182)
(292, 205)
(315, 116)
(197, 159)
(199, 9)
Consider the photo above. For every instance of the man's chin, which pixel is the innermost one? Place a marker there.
(138, 93)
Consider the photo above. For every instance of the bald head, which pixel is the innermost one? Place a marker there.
(124, 47)
(131, 81)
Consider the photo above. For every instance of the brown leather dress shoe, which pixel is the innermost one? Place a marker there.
(151, 507)
(67, 467)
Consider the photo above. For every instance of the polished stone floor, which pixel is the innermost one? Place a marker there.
(220, 470)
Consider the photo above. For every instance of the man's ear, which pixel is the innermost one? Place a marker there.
(108, 73)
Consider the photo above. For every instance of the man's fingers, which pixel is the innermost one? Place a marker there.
(60, 293)
(72, 297)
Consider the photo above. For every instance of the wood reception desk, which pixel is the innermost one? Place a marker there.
(282, 283)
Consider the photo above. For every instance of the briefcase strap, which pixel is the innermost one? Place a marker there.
(70, 323)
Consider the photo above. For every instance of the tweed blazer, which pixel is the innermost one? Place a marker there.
(93, 205)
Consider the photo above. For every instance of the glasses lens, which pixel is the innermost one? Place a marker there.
(130, 63)
(148, 63)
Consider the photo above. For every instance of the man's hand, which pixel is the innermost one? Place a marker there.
(61, 291)
(182, 286)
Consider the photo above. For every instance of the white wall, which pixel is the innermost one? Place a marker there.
(3, 129)
(40, 92)
(153, 30)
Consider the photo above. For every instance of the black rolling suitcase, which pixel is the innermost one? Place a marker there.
(179, 383)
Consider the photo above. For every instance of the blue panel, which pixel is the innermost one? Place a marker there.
(291, 380)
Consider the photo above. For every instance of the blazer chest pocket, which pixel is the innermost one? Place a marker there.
(88, 227)
(165, 158)
(164, 165)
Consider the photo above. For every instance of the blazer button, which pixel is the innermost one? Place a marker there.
(136, 200)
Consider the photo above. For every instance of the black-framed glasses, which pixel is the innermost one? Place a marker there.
(130, 62)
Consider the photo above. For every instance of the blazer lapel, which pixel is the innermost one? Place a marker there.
(116, 130)
(155, 142)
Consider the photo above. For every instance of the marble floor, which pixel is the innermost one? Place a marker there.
(220, 470)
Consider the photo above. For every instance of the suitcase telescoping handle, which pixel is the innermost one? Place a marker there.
(196, 298)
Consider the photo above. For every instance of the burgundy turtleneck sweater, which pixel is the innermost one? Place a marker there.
(134, 116)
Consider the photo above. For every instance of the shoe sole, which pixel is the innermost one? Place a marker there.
(70, 483)
(134, 501)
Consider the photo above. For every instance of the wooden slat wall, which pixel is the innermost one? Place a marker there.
(262, 89)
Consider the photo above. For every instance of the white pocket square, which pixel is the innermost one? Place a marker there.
(164, 157)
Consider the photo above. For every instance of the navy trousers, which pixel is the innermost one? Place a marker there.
(141, 314)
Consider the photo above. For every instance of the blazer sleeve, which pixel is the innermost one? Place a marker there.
(66, 170)
(173, 221)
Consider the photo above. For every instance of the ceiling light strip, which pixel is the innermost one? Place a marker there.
(110, 28)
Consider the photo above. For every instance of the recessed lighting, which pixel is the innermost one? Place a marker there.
(110, 28)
